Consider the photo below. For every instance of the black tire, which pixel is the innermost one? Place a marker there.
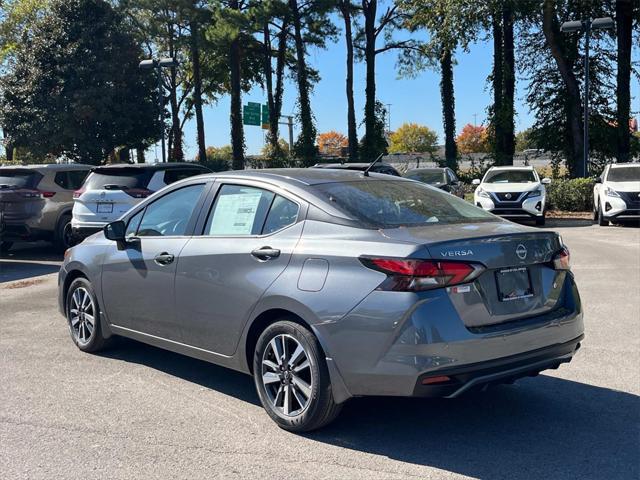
(601, 220)
(63, 236)
(320, 408)
(94, 341)
(540, 221)
(5, 246)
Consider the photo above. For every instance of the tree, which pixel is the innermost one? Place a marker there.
(413, 138)
(332, 143)
(451, 24)
(346, 8)
(197, 16)
(524, 140)
(73, 87)
(624, 20)
(473, 139)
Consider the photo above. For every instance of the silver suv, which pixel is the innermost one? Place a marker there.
(36, 202)
(111, 190)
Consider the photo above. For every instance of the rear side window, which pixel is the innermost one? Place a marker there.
(239, 210)
(392, 203)
(18, 178)
(118, 178)
(176, 174)
(71, 179)
(283, 213)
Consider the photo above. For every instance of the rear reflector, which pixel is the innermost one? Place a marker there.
(416, 275)
(433, 380)
(561, 260)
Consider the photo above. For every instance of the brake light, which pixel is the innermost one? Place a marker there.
(137, 192)
(31, 193)
(78, 193)
(47, 194)
(416, 275)
(561, 260)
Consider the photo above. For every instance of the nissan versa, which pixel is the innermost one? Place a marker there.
(326, 285)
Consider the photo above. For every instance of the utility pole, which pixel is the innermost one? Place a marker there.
(289, 123)
(475, 118)
(388, 117)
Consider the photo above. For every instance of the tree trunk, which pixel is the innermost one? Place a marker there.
(498, 88)
(197, 89)
(574, 104)
(624, 11)
(273, 135)
(306, 143)
(140, 155)
(8, 146)
(369, 8)
(352, 130)
(175, 141)
(237, 132)
(448, 109)
(509, 79)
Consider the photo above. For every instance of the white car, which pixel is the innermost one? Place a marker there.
(512, 192)
(616, 194)
(110, 191)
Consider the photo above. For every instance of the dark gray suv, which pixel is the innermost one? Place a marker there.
(326, 285)
(36, 202)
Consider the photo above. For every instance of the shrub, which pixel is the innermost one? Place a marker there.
(575, 195)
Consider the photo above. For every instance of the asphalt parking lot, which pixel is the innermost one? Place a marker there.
(140, 412)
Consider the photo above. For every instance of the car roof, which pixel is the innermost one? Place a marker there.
(627, 164)
(428, 169)
(153, 166)
(50, 166)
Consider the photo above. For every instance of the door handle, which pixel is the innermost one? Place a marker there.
(163, 258)
(266, 253)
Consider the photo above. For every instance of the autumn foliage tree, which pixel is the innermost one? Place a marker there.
(413, 138)
(473, 139)
(332, 143)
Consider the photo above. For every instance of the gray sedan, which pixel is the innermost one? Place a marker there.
(326, 285)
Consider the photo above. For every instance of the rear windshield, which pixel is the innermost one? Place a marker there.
(624, 174)
(430, 177)
(117, 177)
(17, 178)
(393, 203)
(510, 176)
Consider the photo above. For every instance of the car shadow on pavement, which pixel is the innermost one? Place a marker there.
(28, 260)
(14, 271)
(206, 374)
(538, 428)
(544, 427)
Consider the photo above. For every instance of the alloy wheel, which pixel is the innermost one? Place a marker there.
(82, 315)
(286, 375)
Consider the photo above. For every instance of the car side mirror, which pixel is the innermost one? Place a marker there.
(546, 181)
(455, 182)
(476, 181)
(115, 231)
(598, 180)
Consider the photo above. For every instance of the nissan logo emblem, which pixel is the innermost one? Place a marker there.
(508, 195)
(521, 251)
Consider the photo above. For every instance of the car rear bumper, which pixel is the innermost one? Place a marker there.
(20, 231)
(391, 354)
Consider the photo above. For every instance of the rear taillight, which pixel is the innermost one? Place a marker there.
(78, 193)
(561, 260)
(47, 194)
(137, 192)
(30, 193)
(416, 275)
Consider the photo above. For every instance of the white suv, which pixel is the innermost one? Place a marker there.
(512, 192)
(616, 194)
(110, 191)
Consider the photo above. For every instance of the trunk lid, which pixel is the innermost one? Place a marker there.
(519, 280)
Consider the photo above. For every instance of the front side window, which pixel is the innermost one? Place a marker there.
(169, 215)
(510, 176)
(393, 203)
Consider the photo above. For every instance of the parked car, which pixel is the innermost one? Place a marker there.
(616, 194)
(377, 167)
(111, 190)
(36, 202)
(326, 285)
(512, 192)
(442, 178)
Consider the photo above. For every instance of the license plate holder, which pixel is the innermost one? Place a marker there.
(513, 284)
(105, 207)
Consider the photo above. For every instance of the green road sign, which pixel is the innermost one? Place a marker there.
(251, 114)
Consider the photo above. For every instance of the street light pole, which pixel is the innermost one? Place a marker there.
(586, 25)
(158, 65)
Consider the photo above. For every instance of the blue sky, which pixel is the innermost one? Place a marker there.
(412, 100)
